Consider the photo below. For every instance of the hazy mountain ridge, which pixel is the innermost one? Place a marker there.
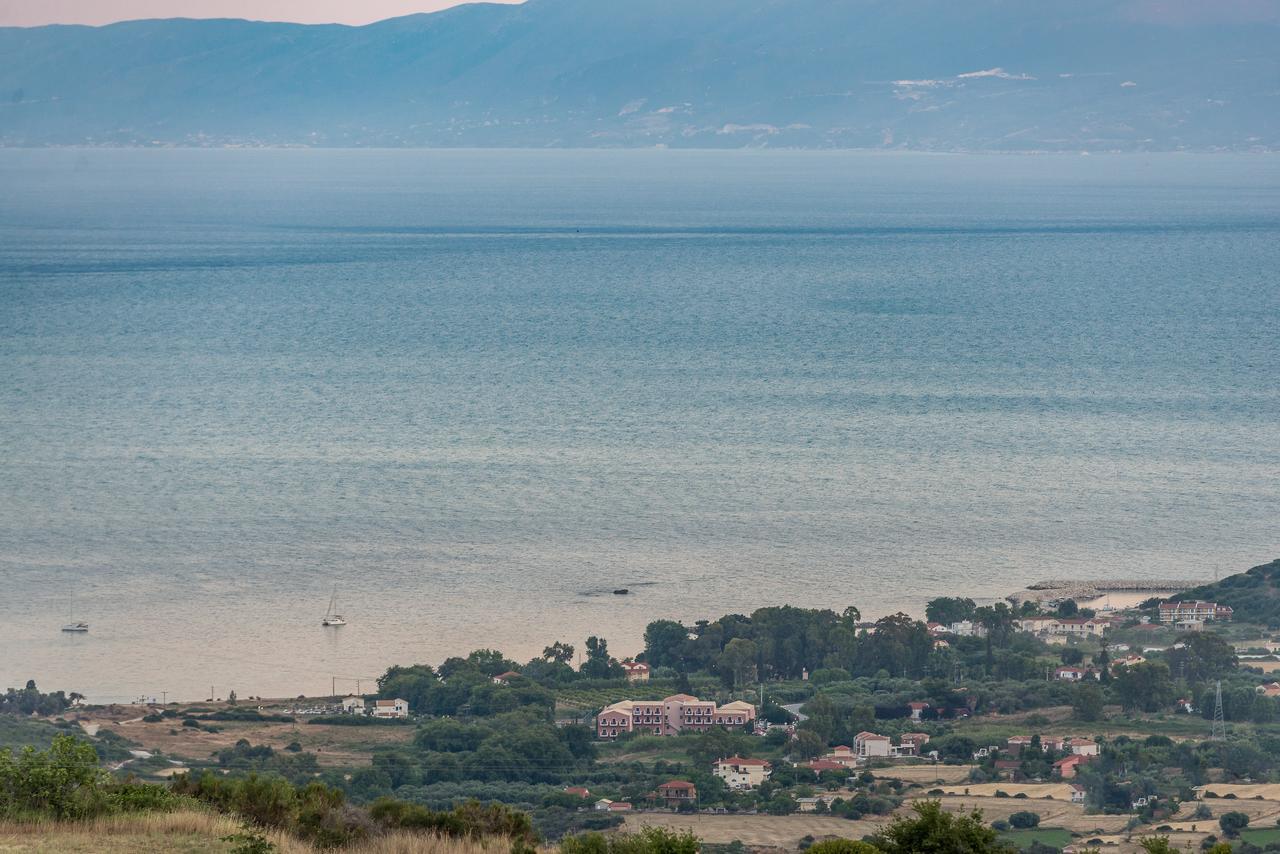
(990, 74)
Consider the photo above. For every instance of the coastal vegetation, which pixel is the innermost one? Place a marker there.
(496, 747)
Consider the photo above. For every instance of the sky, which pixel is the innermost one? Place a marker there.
(30, 13)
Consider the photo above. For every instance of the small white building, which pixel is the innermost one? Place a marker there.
(868, 745)
(1083, 746)
(353, 705)
(396, 708)
(739, 773)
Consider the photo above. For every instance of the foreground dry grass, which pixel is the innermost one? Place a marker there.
(194, 832)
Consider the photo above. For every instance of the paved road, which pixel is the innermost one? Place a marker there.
(794, 708)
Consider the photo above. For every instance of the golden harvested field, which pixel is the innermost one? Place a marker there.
(772, 831)
(1242, 791)
(924, 774)
(786, 831)
(1033, 791)
(199, 833)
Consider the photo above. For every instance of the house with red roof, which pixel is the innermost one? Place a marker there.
(636, 671)
(1066, 767)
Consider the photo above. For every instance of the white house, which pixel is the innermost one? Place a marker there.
(1083, 746)
(353, 705)
(396, 708)
(739, 773)
(867, 745)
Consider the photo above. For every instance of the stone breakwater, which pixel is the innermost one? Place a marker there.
(1059, 589)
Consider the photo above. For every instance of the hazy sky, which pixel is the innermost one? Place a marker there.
(27, 13)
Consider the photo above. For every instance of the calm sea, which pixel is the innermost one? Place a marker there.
(477, 391)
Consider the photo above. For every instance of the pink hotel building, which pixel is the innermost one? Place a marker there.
(673, 715)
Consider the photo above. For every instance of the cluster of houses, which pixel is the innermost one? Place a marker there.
(1078, 751)
(396, 708)
(671, 716)
(868, 746)
(1193, 615)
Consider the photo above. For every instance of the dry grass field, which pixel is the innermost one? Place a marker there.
(765, 831)
(199, 833)
(924, 774)
(1266, 791)
(333, 745)
(1033, 791)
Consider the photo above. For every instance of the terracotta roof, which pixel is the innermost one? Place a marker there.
(738, 760)
(871, 736)
(825, 765)
(676, 784)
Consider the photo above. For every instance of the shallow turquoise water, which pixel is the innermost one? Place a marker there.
(478, 390)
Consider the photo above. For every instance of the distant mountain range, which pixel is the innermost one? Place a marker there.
(918, 74)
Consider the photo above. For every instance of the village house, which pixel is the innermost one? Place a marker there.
(396, 708)
(1128, 661)
(1271, 689)
(868, 745)
(1176, 612)
(353, 705)
(677, 713)
(636, 671)
(842, 755)
(739, 773)
(1066, 768)
(1065, 627)
(1083, 746)
(676, 792)
(1074, 674)
(1077, 793)
(917, 710)
(578, 791)
(504, 678)
(820, 765)
(811, 804)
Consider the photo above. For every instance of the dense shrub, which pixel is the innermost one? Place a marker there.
(67, 782)
(651, 840)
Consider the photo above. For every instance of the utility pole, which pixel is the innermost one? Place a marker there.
(165, 695)
(333, 686)
(1219, 731)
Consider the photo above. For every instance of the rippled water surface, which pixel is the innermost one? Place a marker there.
(479, 390)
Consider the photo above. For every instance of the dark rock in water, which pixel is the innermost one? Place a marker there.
(621, 591)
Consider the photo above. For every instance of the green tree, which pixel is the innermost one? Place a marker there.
(1087, 702)
(1201, 656)
(949, 609)
(1157, 845)
(664, 643)
(1024, 819)
(738, 661)
(842, 846)
(1145, 687)
(1233, 822)
(807, 745)
(599, 664)
(935, 831)
(558, 653)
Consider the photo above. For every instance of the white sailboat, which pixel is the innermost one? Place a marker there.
(72, 624)
(332, 617)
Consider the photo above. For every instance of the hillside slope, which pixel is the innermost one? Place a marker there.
(925, 74)
(1254, 595)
